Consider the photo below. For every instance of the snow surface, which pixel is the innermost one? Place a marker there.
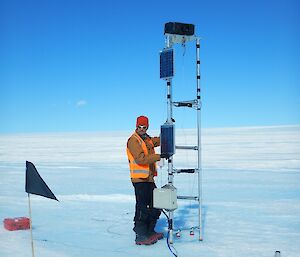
(251, 194)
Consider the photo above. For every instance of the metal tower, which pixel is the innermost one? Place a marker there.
(179, 33)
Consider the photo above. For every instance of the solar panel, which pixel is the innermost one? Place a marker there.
(167, 63)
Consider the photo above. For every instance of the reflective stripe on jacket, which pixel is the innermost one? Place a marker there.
(139, 170)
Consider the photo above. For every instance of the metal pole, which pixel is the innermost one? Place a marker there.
(169, 116)
(199, 138)
(169, 101)
(30, 224)
(170, 160)
(170, 121)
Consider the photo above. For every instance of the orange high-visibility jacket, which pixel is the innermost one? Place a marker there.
(139, 170)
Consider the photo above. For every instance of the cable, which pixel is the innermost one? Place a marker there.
(168, 243)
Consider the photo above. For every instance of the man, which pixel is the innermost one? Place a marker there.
(142, 158)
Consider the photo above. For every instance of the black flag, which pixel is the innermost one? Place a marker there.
(35, 184)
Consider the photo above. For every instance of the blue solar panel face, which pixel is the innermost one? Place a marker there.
(167, 138)
(166, 63)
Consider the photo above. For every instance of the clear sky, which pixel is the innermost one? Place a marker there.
(93, 65)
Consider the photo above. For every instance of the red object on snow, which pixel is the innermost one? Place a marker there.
(19, 223)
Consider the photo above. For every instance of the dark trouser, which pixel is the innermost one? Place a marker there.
(145, 215)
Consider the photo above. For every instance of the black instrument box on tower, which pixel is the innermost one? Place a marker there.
(167, 140)
(178, 28)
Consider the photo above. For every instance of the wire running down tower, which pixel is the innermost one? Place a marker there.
(178, 33)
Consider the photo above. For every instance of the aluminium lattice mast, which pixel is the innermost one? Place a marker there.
(179, 33)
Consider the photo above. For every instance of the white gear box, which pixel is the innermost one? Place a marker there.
(165, 198)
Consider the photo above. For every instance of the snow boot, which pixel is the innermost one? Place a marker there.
(152, 233)
(144, 240)
(142, 237)
(156, 235)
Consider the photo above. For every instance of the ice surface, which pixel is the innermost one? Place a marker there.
(251, 194)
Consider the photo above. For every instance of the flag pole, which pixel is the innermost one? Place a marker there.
(30, 223)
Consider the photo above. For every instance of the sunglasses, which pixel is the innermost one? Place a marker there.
(142, 127)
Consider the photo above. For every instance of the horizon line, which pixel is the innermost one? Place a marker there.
(130, 130)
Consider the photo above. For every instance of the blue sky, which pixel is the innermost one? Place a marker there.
(94, 65)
